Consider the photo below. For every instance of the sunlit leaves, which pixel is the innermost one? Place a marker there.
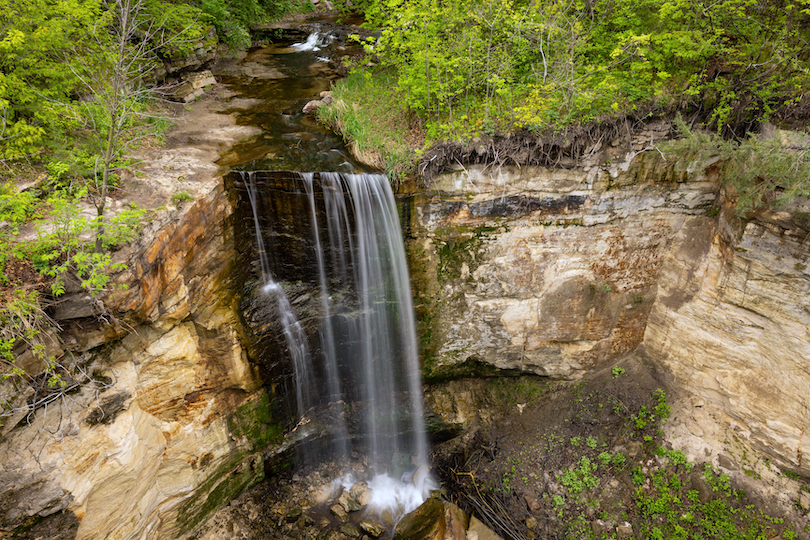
(549, 63)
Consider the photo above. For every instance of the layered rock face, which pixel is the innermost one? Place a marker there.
(547, 271)
(557, 272)
(169, 427)
(731, 324)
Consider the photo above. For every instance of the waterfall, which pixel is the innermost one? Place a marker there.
(294, 334)
(366, 365)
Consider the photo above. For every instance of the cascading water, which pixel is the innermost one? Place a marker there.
(293, 332)
(365, 359)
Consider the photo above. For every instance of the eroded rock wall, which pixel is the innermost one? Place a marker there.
(172, 425)
(558, 272)
(731, 325)
(553, 272)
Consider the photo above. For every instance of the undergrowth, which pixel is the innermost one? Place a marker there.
(374, 121)
(605, 472)
(38, 269)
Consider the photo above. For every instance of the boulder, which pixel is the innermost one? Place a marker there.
(340, 513)
(624, 531)
(425, 523)
(373, 528)
(312, 105)
(456, 522)
(361, 493)
(479, 531)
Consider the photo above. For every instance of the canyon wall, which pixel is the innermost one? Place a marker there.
(553, 272)
(558, 272)
(169, 423)
(731, 324)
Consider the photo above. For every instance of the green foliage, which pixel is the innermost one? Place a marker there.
(55, 55)
(180, 26)
(765, 172)
(373, 119)
(472, 67)
(181, 197)
(616, 371)
(232, 18)
(16, 206)
(232, 22)
(578, 479)
(661, 409)
(34, 37)
(21, 320)
(65, 242)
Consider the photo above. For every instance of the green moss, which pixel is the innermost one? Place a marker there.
(254, 421)
(422, 270)
(230, 479)
(461, 247)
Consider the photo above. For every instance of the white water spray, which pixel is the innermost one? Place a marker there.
(313, 43)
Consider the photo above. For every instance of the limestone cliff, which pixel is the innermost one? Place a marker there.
(548, 271)
(166, 417)
(560, 271)
(731, 324)
(169, 427)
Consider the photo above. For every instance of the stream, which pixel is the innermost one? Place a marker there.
(279, 79)
(356, 420)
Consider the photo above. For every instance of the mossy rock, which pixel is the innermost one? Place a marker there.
(254, 421)
(223, 486)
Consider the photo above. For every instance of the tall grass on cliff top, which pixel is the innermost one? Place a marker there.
(375, 120)
(515, 64)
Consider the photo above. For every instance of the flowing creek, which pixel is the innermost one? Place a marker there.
(328, 284)
(279, 79)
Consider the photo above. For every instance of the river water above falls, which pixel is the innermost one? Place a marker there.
(279, 79)
(327, 292)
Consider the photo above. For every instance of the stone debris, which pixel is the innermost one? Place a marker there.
(349, 530)
(312, 106)
(326, 99)
(624, 531)
(361, 493)
(348, 503)
(372, 527)
(340, 513)
(193, 86)
(479, 531)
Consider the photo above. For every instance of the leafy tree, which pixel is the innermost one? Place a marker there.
(550, 63)
(34, 35)
(120, 54)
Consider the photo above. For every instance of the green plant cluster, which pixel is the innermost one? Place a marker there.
(622, 474)
(764, 172)
(671, 509)
(62, 252)
(479, 66)
(233, 18)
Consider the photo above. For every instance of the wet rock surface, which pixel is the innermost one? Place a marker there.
(293, 506)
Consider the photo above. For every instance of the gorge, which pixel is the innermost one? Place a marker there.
(629, 258)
